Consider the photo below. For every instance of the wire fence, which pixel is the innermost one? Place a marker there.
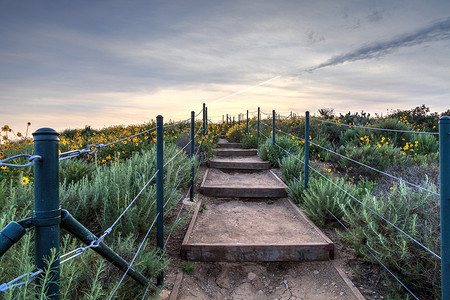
(27, 278)
(272, 130)
(374, 128)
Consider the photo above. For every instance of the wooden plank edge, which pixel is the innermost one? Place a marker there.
(238, 252)
(329, 241)
(203, 181)
(176, 286)
(348, 282)
(279, 179)
(191, 226)
(239, 192)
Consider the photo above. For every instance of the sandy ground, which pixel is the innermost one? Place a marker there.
(263, 179)
(312, 280)
(252, 222)
(252, 159)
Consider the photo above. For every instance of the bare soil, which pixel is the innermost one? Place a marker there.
(251, 159)
(263, 179)
(237, 221)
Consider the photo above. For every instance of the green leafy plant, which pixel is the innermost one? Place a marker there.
(188, 267)
(274, 153)
(249, 141)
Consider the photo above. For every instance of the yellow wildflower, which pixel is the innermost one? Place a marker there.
(25, 180)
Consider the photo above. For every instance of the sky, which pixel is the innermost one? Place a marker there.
(67, 64)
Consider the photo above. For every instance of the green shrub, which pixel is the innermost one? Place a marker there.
(274, 153)
(397, 138)
(318, 152)
(291, 167)
(322, 195)
(426, 144)
(416, 213)
(295, 188)
(188, 267)
(235, 133)
(73, 170)
(249, 141)
(378, 157)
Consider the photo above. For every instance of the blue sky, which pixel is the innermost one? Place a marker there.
(74, 63)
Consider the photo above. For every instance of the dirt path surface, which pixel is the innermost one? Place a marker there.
(236, 221)
(263, 179)
(283, 281)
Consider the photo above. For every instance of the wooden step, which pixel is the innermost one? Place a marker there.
(236, 152)
(229, 145)
(239, 231)
(244, 163)
(265, 184)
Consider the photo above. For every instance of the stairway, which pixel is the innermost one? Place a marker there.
(248, 217)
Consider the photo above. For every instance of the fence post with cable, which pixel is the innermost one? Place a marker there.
(191, 152)
(273, 127)
(246, 129)
(306, 148)
(160, 190)
(257, 138)
(444, 165)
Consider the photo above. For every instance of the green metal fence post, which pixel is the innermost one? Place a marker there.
(47, 212)
(273, 127)
(444, 164)
(206, 120)
(160, 190)
(233, 121)
(191, 191)
(204, 113)
(257, 137)
(246, 130)
(306, 148)
(227, 118)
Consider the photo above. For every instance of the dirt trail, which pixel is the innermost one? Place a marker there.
(252, 280)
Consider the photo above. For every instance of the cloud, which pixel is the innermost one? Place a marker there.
(435, 32)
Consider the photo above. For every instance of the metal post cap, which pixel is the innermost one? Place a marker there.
(46, 134)
(444, 119)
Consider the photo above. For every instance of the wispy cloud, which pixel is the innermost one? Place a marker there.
(435, 32)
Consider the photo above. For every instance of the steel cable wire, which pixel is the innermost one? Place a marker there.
(31, 159)
(178, 215)
(374, 256)
(377, 214)
(108, 231)
(375, 128)
(373, 211)
(74, 153)
(135, 256)
(381, 172)
(30, 276)
(364, 165)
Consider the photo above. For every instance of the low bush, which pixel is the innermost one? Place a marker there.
(274, 153)
(322, 196)
(417, 214)
(378, 157)
(292, 167)
(236, 133)
(73, 170)
(249, 141)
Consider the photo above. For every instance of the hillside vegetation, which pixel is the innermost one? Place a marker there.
(95, 189)
(378, 215)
